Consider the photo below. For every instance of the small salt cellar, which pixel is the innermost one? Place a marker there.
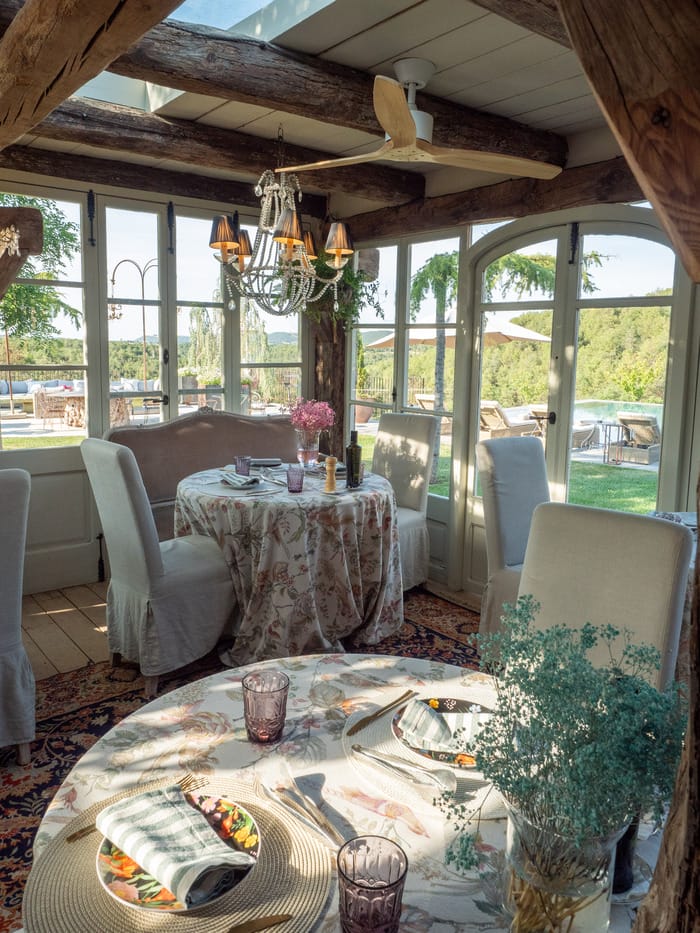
(330, 474)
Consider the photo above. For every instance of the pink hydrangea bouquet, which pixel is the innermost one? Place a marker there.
(312, 416)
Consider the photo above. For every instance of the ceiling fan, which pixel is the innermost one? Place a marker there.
(409, 132)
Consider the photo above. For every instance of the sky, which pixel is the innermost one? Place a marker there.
(219, 13)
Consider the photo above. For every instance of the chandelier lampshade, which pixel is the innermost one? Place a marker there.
(277, 272)
(339, 245)
(310, 245)
(225, 235)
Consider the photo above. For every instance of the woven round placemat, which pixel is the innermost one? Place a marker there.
(293, 875)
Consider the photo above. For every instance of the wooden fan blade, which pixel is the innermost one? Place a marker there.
(393, 112)
(381, 153)
(485, 161)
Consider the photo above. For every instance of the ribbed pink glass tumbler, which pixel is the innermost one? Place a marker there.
(371, 875)
(265, 704)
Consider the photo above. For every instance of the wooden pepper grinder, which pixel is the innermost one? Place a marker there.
(330, 474)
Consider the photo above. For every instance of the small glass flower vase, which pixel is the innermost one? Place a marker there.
(553, 884)
(307, 448)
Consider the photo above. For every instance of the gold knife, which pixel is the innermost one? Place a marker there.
(260, 923)
(366, 720)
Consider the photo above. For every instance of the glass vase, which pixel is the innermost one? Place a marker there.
(554, 884)
(307, 448)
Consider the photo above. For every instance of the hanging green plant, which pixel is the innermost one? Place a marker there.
(355, 292)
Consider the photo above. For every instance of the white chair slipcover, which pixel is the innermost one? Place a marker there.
(595, 565)
(403, 454)
(17, 696)
(513, 478)
(168, 602)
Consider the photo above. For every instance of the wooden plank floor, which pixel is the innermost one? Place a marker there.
(65, 629)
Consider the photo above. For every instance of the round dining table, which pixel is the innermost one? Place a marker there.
(311, 569)
(199, 730)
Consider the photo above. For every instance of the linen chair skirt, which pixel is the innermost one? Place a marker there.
(414, 546)
(17, 723)
(182, 617)
(501, 587)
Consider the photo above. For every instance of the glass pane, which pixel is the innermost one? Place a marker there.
(524, 275)
(384, 262)
(617, 428)
(200, 356)
(269, 390)
(267, 338)
(624, 266)
(373, 366)
(133, 313)
(132, 251)
(434, 270)
(43, 330)
(431, 353)
(198, 271)
(514, 373)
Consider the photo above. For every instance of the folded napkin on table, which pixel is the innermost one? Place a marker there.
(173, 841)
(266, 462)
(426, 728)
(231, 478)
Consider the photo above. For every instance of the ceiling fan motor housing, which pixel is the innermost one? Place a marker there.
(413, 74)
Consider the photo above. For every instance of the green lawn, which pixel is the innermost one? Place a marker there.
(613, 487)
(602, 485)
(46, 440)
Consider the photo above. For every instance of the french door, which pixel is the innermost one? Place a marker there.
(574, 327)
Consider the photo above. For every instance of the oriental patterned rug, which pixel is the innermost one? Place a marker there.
(74, 710)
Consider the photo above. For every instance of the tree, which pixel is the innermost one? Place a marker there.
(30, 310)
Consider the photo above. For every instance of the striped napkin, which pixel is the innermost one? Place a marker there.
(231, 478)
(427, 728)
(173, 841)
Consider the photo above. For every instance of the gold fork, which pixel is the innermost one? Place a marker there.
(187, 782)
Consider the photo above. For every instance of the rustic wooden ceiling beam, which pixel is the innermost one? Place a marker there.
(139, 177)
(111, 127)
(538, 16)
(608, 182)
(50, 49)
(219, 64)
(641, 60)
(206, 61)
(28, 222)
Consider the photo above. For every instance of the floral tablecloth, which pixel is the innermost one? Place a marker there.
(309, 569)
(200, 728)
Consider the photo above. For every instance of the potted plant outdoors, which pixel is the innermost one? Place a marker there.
(187, 379)
(577, 752)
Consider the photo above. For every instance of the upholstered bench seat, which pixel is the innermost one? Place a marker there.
(167, 452)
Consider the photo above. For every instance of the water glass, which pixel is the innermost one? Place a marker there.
(243, 466)
(371, 875)
(265, 704)
(295, 478)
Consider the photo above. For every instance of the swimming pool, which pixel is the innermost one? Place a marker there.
(603, 410)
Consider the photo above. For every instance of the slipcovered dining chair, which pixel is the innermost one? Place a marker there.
(17, 698)
(595, 565)
(168, 602)
(403, 453)
(513, 477)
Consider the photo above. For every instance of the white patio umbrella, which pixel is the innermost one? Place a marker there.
(495, 332)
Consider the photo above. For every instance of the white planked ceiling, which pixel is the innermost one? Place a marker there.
(481, 59)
